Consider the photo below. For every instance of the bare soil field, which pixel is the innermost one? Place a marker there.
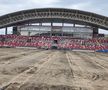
(25, 69)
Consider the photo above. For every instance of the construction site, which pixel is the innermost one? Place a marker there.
(53, 49)
(23, 69)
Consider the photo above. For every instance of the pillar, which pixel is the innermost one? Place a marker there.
(40, 25)
(74, 25)
(15, 30)
(51, 29)
(62, 28)
(95, 31)
(6, 30)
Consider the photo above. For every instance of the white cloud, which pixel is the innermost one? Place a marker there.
(43, 1)
(90, 7)
(86, 6)
(83, 5)
(28, 4)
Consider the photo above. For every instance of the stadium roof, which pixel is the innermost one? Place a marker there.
(59, 15)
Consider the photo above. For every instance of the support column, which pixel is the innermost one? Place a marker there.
(15, 30)
(51, 29)
(95, 31)
(85, 25)
(62, 28)
(73, 30)
(28, 29)
(6, 30)
(74, 25)
(40, 25)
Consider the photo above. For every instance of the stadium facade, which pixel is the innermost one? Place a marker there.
(54, 15)
(83, 25)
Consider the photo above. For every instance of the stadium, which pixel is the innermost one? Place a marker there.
(53, 49)
(26, 32)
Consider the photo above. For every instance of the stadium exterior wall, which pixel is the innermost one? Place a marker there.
(54, 15)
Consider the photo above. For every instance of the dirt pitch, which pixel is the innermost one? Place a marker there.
(23, 69)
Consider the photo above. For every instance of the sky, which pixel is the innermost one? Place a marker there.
(96, 6)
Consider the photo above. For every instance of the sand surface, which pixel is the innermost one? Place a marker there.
(23, 69)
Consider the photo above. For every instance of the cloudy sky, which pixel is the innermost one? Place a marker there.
(96, 6)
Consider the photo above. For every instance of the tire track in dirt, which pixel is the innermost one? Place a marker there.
(70, 64)
(16, 57)
(88, 60)
(75, 61)
(88, 74)
(51, 67)
(102, 54)
(79, 81)
(16, 66)
(24, 77)
(97, 75)
(100, 78)
(44, 69)
(99, 56)
(10, 69)
(45, 63)
(98, 62)
(12, 51)
(46, 83)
